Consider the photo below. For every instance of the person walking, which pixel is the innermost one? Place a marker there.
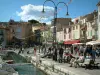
(20, 51)
(49, 49)
(35, 51)
(88, 50)
(61, 50)
(81, 50)
(71, 48)
(93, 53)
(55, 53)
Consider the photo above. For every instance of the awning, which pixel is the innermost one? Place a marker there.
(93, 43)
(78, 44)
(71, 41)
(61, 42)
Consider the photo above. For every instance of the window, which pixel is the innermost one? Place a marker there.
(99, 18)
(73, 35)
(64, 36)
(87, 24)
(73, 28)
(69, 36)
(64, 30)
(18, 29)
(87, 33)
(91, 32)
(76, 27)
(84, 20)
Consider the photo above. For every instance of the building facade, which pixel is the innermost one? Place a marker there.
(98, 20)
(62, 26)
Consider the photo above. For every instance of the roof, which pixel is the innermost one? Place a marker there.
(4, 23)
(62, 23)
(90, 16)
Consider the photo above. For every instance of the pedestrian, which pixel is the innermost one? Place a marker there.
(61, 50)
(35, 51)
(93, 53)
(81, 49)
(20, 50)
(76, 50)
(88, 50)
(49, 49)
(71, 48)
(55, 53)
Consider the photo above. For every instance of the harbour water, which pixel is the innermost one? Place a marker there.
(24, 69)
(28, 69)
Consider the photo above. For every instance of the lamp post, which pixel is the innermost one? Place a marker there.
(55, 17)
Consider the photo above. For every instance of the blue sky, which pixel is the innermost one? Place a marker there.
(31, 9)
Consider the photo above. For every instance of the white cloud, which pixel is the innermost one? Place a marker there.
(34, 12)
(48, 23)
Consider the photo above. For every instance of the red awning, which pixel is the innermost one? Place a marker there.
(71, 41)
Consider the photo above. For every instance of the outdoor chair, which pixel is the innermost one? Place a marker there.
(89, 63)
(77, 61)
(96, 63)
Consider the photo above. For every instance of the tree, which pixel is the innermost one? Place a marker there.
(33, 21)
(38, 35)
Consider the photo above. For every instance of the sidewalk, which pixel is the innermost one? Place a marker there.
(63, 67)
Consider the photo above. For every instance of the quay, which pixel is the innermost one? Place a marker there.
(54, 68)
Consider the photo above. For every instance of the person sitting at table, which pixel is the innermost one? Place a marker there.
(78, 60)
(68, 57)
(72, 62)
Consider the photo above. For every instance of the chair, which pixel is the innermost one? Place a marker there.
(96, 63)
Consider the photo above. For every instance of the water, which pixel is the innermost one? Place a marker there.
(13, 56)
(28, 69)
(24, 69)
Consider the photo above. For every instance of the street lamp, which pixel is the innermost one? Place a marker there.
(55, 16)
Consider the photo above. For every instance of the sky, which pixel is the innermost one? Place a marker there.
(31, 9)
